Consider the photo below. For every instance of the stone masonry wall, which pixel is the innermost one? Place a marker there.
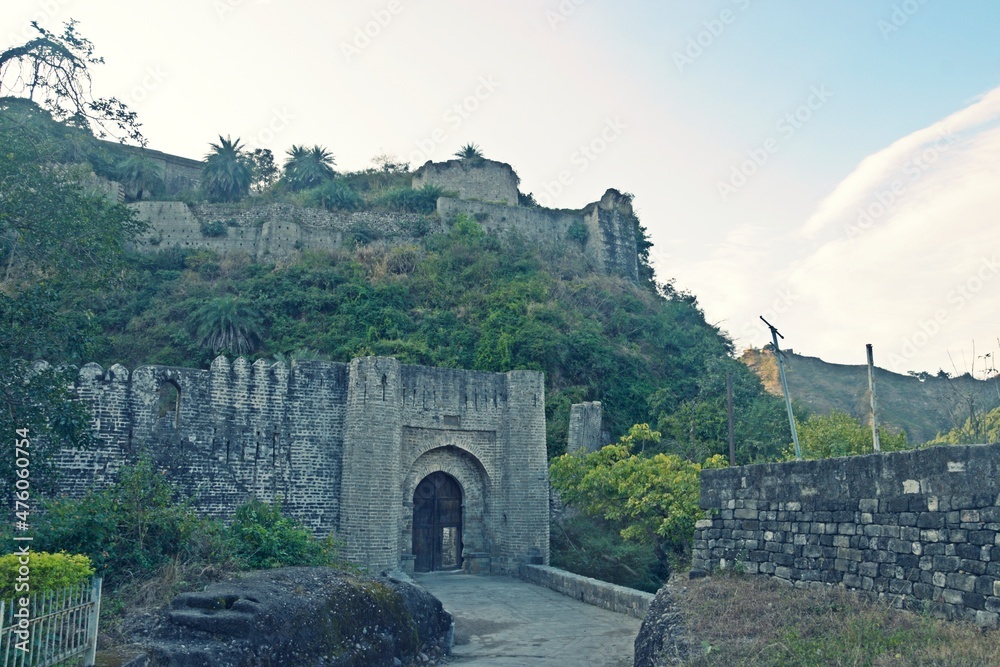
(921, 528)
(485, 189)
(612, 243)
(342, 445)
(585, 430)
(592, 591)
(269, 231)
(485, 180)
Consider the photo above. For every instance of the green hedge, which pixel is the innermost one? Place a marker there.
(46, 572)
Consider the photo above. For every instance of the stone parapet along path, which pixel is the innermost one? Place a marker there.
(506, 622)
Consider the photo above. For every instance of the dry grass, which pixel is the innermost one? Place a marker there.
(754, 621)
(145, 595)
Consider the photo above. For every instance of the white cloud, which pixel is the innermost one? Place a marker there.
(901, 163)
(922, 276)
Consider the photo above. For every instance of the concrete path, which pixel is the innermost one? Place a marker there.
(506, 622)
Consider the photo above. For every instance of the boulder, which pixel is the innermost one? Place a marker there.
(302, 616)
(662, 639)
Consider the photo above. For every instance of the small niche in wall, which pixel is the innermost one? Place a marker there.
(168, 409)
(452, 420)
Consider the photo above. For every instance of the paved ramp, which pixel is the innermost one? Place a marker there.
(506, 622)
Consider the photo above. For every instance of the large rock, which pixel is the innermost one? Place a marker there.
(299, 616)
(662, 639)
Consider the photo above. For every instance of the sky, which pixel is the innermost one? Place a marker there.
(831, 166)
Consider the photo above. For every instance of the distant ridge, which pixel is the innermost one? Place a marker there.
(922, 406)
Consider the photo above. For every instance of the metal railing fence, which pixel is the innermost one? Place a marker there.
(55, 628)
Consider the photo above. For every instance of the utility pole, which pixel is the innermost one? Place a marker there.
(729, 402)
(871, 389)
(784, 385)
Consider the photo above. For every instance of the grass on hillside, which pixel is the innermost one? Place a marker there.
(755, 621)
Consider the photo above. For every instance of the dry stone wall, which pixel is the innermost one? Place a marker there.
(921, 528)
(342, 445)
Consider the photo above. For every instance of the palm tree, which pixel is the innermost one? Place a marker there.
(469, 151)
(140, 175)
(227, 324)
(308, 167)
(228, 173)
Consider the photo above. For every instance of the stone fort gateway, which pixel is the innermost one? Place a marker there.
(410, 467)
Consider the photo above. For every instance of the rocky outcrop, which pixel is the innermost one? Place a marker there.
(298, 616)
(662, 639)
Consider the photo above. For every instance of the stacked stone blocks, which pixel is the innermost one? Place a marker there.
(921, 528)
(342, 446)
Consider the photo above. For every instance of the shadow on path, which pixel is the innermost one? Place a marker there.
(506, 622)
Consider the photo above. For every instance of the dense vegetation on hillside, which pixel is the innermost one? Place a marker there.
(921, 404)
(462, 299)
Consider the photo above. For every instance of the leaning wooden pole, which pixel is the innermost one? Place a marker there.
(871, 389)
(784, 387)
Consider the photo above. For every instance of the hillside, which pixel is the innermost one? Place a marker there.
(449, 266)
(923, 405)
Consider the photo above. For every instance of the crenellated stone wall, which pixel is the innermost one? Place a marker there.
(342, 445)
(921, 527)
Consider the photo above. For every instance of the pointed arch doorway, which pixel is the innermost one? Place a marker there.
(437, 523)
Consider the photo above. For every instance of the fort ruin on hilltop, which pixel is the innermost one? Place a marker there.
(607, 230)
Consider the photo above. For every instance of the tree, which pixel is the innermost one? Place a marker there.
(55, 238)
(264, 171)
(390, 164)
(650, 499)
(140, 175)
(228, 324)
(840, 434)
(308, 167)
(698, 427)
(228, 173)
(469, 151)
(54, 71)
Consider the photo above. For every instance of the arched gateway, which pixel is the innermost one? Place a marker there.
(409, 467)
(437, 523)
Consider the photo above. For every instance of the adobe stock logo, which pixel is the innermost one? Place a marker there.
(366, 34)
(900, 16)
(582, 158)
(883, 201)
(958, 297)
(786, 127)
(713, 29)
(454, 117)
(562, 12)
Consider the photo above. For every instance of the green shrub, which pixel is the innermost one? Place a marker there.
(417, 228)
(361, 233)
(261, 537)
(409, 200)
(334, 196)
(128, 529)
(48, 572)
(579, 233)
(466, 228)
(215, 228)
(592, 547)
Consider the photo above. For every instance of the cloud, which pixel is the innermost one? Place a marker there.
(909, 257)
(902, 163)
